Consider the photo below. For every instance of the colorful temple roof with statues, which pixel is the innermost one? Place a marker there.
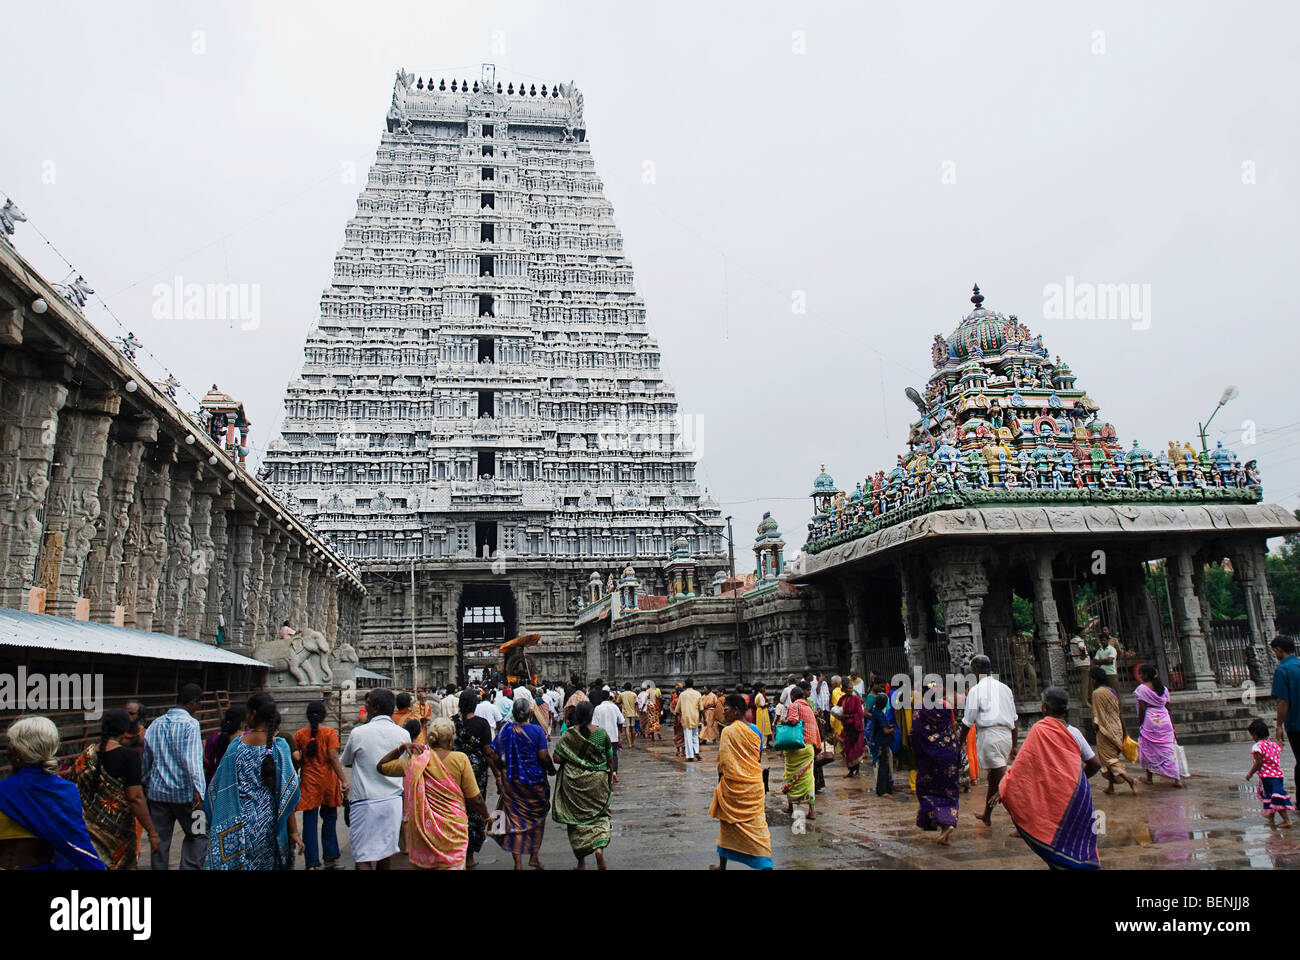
(1002, 422)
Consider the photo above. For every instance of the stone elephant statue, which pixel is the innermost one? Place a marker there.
(304, 656)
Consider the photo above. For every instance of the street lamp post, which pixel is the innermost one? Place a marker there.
(1228, 394)
(735, 602)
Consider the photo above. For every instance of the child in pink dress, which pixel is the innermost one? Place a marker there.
(1272, 789)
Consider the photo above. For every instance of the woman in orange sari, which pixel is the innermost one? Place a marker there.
(738, 798)
(709, 706)
(653, 709)
(438, 791)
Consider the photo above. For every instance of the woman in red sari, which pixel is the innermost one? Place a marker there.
(854, 724)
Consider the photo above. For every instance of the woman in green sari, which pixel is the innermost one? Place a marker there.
(583, 786)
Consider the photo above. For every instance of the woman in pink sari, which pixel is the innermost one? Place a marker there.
(438, 790)
(1157, 750)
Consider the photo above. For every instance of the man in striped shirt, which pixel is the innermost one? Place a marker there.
(174, 782)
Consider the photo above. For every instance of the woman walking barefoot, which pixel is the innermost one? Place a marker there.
(1156, 745)
(1108, 718)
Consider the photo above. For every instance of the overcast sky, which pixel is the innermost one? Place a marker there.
(873, 159)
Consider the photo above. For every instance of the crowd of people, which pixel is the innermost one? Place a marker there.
(412, 776)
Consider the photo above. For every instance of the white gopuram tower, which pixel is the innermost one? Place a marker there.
(481, 420)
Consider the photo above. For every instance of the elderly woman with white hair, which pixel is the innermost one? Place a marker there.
(41, 822)
(438, 792)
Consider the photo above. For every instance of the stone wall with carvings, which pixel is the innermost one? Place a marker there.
(115, 505)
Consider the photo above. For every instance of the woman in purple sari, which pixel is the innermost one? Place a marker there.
(938, 765)
(1157, 750)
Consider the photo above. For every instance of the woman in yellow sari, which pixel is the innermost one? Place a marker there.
(438, 790)
(837, 728)
(738, 798)
(762, 716)
(1108, 718)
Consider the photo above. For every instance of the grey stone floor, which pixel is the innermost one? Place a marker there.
(661, 822)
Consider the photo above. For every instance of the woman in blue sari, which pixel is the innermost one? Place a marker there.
(521, 762)
(41, 823)
(252, 797)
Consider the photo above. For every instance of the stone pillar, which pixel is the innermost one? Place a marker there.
(267, 629)
(279, 588)
(855, 605)
(204, 556)
(241, 593)
(31, 419)
(313, 609)
(1249, 567)
(72, 514)
(180, 550)
(918, 618)
(1052, 659)
(960, 583)
(116, 495)
(331, 627)
(155, 498)
(295, 610)
(1197, 674)
(252, 630)
(214, 607)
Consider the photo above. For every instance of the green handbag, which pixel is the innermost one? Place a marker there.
(788, 736)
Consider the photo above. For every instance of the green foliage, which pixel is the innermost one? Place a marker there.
(1022, 612)
(1225, 596)
(1283, 572)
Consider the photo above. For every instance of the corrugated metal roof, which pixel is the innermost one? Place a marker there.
(18, 628)
(369, 674)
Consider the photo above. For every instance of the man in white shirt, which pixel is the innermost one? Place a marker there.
(822, 694)
(374, 800)
(609, 717)
(991, 710)
(488, 712)
(1107, 656)
(450, 705)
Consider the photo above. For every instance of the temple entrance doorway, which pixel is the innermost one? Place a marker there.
(486, 618)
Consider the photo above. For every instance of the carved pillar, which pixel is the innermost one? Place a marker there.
(313, 595)
(957, 575)
(918, 619)
(294, 614)
(1248, 565)
(219, 579)
(72, 514)
(855, 605)
(253, 634)
(1197, 674)
(155, 498)
(203, 555)
(116, 494)
(31, 419)
(1047, 620)
(241, 592)
(332, 588)
(279, 589)
(180, 549)
(266, 627)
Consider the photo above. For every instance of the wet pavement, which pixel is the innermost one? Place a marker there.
(661, 822)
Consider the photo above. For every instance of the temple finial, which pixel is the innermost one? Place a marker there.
(977, 298)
